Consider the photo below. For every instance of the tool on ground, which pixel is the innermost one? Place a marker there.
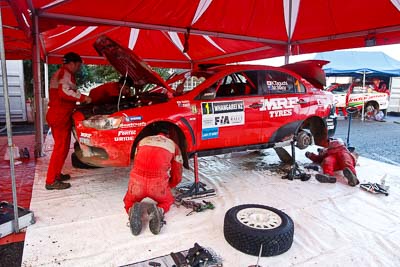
(375, 188)
(295, 171)
(350, 111)
(154, 264)
(195, 206)
(258, 258)
(179, 259)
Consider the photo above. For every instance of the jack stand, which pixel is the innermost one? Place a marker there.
(197, 188)
(295, 172)
(351, 111)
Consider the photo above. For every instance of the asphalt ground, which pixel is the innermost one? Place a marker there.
(372, 139)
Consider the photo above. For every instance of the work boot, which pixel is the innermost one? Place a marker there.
(325, 178)
(63, 177)
(156, 216)
(58, 185)
(135, 218)
(351, 177)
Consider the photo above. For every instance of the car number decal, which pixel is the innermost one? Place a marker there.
(222, 114)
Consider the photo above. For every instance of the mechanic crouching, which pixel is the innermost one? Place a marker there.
(335, 158)
(157, 168)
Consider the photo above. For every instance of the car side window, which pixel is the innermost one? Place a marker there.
(238, 84)
(282, 83)
(341, 89)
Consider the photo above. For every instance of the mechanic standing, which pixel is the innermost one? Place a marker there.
(105, 93)
(63, 96)
(156, 169)
(335, 158)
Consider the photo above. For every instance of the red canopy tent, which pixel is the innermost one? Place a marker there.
(218, 31)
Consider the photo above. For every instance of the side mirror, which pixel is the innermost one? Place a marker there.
(208, 94)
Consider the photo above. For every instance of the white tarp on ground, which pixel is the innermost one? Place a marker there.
(335, 224)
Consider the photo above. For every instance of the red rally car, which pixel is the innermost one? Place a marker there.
(211, 110)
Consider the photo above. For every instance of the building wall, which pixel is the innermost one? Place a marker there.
(16, 92)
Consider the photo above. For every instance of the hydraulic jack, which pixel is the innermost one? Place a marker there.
(295, 171)
(197, 188)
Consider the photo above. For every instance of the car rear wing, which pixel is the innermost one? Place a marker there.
(311, 70)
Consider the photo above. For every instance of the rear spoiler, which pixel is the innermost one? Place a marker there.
(311, 70)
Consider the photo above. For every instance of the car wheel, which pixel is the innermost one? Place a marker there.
(369, 110)
(247, 227)
(77, 163)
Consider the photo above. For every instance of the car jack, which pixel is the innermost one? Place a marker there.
(295, 171)
(197, 188)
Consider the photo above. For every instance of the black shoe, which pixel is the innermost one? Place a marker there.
(351, 177)
(156, 216)
(325, 178)
(63, 177)
(58, 185)
(135, 218)
(25, 153)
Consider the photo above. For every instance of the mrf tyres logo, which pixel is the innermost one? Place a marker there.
(222, 114)
(279, 107)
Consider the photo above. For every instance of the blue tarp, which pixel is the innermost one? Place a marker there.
(355, 63)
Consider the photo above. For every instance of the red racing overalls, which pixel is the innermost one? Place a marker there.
(62, 102)
(334, 158)
(156, 169)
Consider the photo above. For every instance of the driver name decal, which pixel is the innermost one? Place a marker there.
(221, 114)
(279, 107)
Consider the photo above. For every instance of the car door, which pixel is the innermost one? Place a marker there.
(285, 104)
(231, 117)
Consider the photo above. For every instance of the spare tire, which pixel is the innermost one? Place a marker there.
(248, 226)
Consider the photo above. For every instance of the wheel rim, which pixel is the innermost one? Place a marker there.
(370, 108)
(259, 218)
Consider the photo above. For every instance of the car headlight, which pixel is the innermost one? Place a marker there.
(103, 122)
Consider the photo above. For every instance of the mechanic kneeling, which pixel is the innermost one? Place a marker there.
(156, 169)
(335, 158)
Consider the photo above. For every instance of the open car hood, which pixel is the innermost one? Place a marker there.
(311, 70)
(125, 61)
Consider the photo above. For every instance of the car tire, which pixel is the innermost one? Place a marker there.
(77, 163)
(247, 227)
(369, 110)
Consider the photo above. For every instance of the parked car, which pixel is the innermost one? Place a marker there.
(356, 95)
(228, 108)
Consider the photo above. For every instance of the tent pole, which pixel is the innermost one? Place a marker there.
(362, 110)
(37, 90)
(288, 47)
(46, 79)
(8, 123)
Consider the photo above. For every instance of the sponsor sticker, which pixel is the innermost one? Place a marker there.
(84, 140)
(279, 107)
(86, 135)
(123, 138)
(127, 133)
(133, 124)
(183, 104)
(133, 118)
(209, 133)
(222, 114)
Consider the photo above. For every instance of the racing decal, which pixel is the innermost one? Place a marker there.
(123, 138)
(209, 133)
(125, 135)
(183, 104)
(194, 109)
(133, 118)
(279, 107)
(221, 114)
(84, 138)
(277, 86)
(133, 124)
(126, 132)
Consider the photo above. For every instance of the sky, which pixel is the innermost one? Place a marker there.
(391, 50)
